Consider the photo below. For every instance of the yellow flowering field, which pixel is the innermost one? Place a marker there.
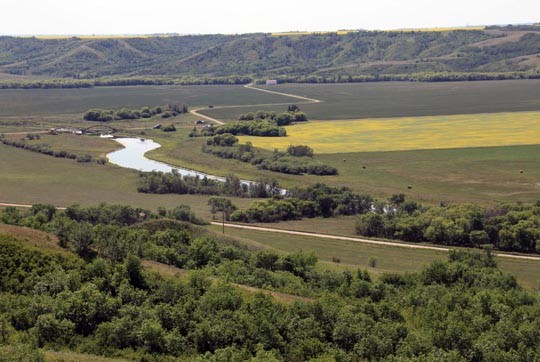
(410, 133)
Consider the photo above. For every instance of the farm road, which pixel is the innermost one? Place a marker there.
(365, 241)
(305, 100)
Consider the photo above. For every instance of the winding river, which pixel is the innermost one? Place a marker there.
(132, 156)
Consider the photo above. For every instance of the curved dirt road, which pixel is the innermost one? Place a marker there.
(305, 100)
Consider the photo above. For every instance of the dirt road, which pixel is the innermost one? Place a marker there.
(304, 100)
(366, 241)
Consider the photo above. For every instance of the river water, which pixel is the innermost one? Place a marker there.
(132, 156)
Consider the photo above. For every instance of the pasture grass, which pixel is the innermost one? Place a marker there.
(409, 133)
(390, 259)
(76, 144)
(28, 178)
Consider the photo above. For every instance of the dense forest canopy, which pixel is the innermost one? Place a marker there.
(230, 57)
(98, 287)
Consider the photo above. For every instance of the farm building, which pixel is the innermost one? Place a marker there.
(271, 82)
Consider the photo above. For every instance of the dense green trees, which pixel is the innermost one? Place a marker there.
(317, 200)
(225, 140)
(297, 160)
(107, 115)
(456, 310)
(293, 114)
(174, 183)
(260, 128)
(506, 227)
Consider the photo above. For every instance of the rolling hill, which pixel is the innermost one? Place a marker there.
(360, 53)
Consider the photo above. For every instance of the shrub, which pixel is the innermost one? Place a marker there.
(84, 158)
(169, 128)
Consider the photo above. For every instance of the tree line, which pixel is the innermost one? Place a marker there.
(296, 160)
(156, 182)
(107, 115)
(509, 227)
(313, 201)
(293, 115)
(241, 80)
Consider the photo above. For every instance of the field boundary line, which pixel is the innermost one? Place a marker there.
(311, 100)
(365, 241)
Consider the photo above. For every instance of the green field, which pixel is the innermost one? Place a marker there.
(76, 144)
(35, 178)
(52, 102)
(389, 259)
(405, 99)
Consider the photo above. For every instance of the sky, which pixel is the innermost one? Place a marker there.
(76, 17)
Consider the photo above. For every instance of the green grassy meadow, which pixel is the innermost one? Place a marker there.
(28, 178)
(404, 99)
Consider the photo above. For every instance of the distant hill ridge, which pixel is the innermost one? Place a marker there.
(328, 55)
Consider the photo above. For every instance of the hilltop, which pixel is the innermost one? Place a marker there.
(292, 56)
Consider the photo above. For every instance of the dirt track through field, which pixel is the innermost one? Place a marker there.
(366, 241)
(305, 100)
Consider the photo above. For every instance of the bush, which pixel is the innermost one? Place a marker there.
(84, 158)
(225, 140)
(99, 115)
(261, 128)
(169, 128)
(300, 151)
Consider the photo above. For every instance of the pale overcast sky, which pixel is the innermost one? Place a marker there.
(244, 16)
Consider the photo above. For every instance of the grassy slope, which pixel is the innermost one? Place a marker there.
(267, 55)
(389, 259)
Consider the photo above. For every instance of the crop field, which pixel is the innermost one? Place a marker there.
(403, 99)
(389, 258)
(410, 133)
(51, 102)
